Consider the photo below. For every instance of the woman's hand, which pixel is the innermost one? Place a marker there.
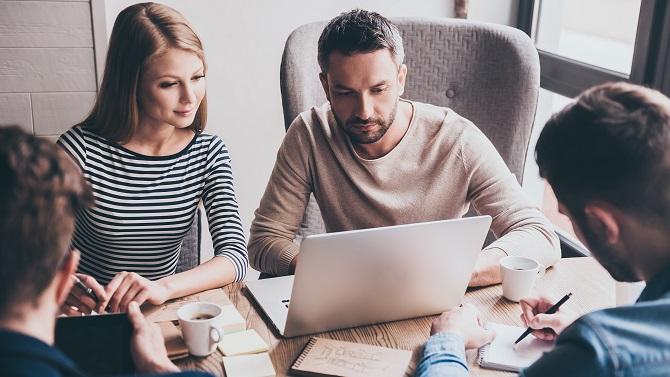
(78, 302)
(127, 287)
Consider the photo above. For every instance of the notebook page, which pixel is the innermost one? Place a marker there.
(501, 353)
(328, 357)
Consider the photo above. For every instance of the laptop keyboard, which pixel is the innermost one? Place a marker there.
(286, 302)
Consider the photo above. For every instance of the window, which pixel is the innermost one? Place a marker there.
(600, 33)
(587, 42)
(583, 43)
(547, 104)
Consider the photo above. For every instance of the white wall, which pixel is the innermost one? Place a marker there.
(495, 11)
(243, 42)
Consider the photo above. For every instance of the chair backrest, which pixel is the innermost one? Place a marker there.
(487, 73)
(189, 255)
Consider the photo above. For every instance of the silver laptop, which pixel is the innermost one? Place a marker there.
(361, 277)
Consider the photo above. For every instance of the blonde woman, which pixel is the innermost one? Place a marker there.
(144, 153)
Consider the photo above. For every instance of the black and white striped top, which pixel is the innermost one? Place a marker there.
(144, 205)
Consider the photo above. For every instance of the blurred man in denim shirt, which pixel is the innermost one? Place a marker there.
(607, 157)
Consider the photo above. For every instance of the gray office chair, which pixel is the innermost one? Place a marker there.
(487, 73)
(189, 255)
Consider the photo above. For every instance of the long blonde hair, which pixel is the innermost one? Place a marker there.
(140, 32)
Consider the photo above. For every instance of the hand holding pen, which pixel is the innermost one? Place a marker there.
(85, 296)
(542, 322)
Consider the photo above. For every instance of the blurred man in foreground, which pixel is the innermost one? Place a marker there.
(41, 191)
(607, 157)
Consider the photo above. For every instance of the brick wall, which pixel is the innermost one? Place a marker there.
(47, 64)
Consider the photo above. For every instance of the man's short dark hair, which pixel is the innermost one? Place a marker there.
(611, 145)
(359, 31)
(41, 191)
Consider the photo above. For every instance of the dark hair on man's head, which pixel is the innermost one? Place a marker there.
(611, 145)
(41, 191)
(359, 31)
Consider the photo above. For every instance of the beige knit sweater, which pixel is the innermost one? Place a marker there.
(441, 166)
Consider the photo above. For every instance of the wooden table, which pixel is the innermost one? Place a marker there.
(591, 285)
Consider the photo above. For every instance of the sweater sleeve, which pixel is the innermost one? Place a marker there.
(222, 211)
(271, 247)
(493, 190)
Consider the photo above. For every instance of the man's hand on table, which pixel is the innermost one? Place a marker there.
(465, 322)
(79, 303)
(547, 326)
(487, 268)
(147, 345)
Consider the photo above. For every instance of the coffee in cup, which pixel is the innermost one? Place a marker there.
(201, 316)
(200, 324)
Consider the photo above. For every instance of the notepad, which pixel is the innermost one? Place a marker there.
(501, 353)
(328, 357)
(174, 344)
(231, 320)
(168, 310)
(241, 343)
(257, 365)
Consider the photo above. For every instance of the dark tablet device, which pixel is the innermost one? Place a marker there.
(98, 344)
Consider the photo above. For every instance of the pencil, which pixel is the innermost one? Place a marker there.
(89, 292)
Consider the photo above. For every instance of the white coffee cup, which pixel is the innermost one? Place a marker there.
(518, 276)
(200, 324)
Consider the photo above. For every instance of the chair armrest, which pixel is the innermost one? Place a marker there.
(570, 246)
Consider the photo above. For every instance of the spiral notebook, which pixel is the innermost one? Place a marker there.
(501, 354)
(328, 357)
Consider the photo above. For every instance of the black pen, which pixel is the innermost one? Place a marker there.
(551, 310)
(87, 290)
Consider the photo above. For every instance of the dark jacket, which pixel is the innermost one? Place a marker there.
(25, 356)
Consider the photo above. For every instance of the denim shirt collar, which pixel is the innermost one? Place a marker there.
(657, 287)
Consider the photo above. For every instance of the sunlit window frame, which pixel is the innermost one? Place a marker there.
(651, 56)
(569, 77)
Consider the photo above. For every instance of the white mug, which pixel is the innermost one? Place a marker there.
(200, 324)
(518, 276)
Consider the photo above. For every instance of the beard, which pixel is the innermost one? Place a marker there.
(608, 256)
(353, 127)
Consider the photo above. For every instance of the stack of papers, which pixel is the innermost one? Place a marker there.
(231, 320)
(168, 310)
(241, 343)
(245, 351)
(174, 344)
(255, 365)
(246, 355)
